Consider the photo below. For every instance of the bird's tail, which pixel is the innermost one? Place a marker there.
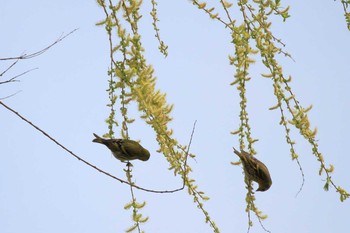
(98, 139)
(237, 152)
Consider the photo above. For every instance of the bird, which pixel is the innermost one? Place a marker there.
(255, 170)
(124, 149)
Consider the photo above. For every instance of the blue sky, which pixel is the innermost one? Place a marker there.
(43, 189)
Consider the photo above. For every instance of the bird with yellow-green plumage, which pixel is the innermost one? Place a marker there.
(255, 170)
(124, 149)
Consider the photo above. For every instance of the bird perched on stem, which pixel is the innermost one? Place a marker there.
(255, 170)
(124, 149)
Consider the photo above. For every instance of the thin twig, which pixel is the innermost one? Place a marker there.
(227, 13)
(10, 95)
(187, 153)
(84, 161)
(196, 3)
(189, 144)
(28, 56)
(302, 176)
(8, 68)
(128, 174)
(13, 79)
(262, 225)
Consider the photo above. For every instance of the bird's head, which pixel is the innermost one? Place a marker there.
(264, 185)
(144, 155)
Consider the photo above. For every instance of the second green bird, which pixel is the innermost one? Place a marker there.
(255, 170)
(124, 149)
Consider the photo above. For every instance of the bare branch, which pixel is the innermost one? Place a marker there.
(188, 147)
(13, 79)
(28, 56)
(8, 68)
(10, 95)
(84, 161)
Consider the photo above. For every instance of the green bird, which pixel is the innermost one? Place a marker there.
(255, 170)
(124, 149)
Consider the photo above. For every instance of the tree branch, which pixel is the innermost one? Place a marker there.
(31, 55)
(86, 162)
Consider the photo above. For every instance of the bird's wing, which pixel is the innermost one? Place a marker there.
(130, 148)
(263, 172)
